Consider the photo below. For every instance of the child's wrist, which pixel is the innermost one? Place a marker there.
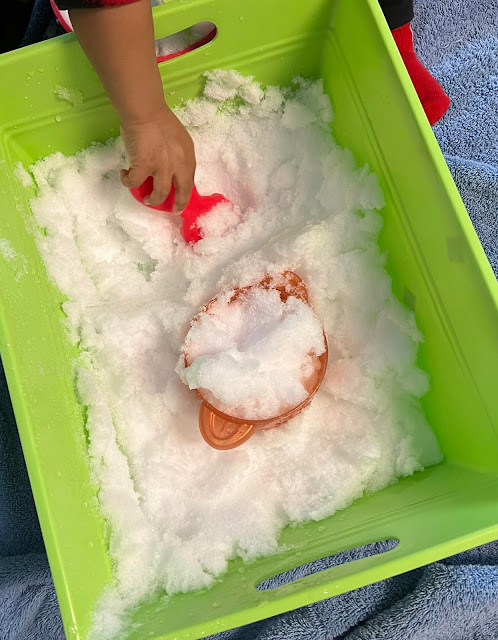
(145, 114)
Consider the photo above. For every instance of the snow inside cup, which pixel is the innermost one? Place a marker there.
(255, 356)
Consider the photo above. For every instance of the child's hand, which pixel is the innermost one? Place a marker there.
(162, 148)
(119, 41)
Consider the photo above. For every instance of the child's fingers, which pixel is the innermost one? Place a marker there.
(183, 182)
(134, 177)
(162, 187)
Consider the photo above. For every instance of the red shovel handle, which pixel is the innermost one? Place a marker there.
(197, 206)
(145, 189)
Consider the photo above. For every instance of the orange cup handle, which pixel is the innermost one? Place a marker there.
(221, 433)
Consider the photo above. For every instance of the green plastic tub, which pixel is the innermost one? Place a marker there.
(434, 257)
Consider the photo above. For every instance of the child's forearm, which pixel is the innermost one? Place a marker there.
(119, 42)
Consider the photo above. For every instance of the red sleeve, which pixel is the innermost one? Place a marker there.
(88, 4)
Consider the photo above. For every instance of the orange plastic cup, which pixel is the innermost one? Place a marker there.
(223, 431)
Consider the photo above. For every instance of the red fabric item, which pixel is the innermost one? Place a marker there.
(431, 94)
(82, 4)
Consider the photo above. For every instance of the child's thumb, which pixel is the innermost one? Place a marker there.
(133, 177)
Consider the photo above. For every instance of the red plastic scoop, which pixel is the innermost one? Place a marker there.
(197, 206)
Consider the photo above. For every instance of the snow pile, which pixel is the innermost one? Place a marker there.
(179, 510)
